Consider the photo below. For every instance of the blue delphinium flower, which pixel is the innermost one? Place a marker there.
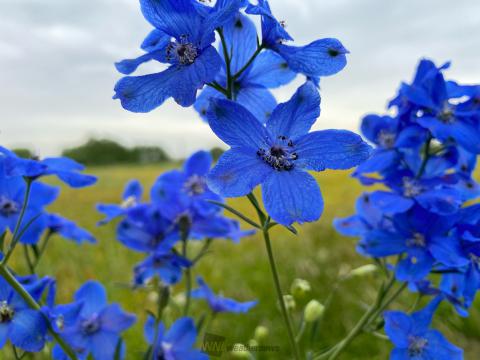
(166, 265)
(68, 229)
(67, 170)
(192, 59)
(131, 196)
(24, 327)
(269, 70)
(218, 303)
(414, 339)
(175, 343)
(279, 154)
(320, 58)
(97, 328)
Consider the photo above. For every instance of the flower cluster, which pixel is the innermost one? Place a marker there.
(424, 159)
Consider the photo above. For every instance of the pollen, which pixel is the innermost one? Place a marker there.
(281, 155)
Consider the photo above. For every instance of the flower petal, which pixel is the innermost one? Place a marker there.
(198, 164)
(270, 70)
(292, 196)
(93, 296)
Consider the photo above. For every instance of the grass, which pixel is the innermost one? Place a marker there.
(241, 271)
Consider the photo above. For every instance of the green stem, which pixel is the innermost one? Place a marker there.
(7, 275)
(188, 276)
(42, 249)
(227, 64)
(28, 260)
(249, 62)
(236, 213)
(426, 156)
(15, 236)
(278, 289)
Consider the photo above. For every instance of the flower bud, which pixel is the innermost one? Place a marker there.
(364, 270)
(300, 289)
(240, 352)
(313, 311)
(261, 333)
(289, 302)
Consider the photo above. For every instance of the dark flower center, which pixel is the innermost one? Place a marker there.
(446, 115)
(6, 312)
(416, 345)
(183, 51)
(195, 185)
(417, 240)
(8, 207)
(411, 187)
(386, 139)
(281, 156)
(91, 325)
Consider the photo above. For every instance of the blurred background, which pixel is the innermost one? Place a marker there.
(57, 73)
(57, 78)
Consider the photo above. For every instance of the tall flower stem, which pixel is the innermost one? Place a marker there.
(286, 317)
(16, 237)
(7, 275)
(188, 274)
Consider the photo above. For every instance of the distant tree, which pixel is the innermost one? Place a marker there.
(216, 153)
(149, 155)
(24, 153)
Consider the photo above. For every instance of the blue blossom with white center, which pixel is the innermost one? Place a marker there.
(97, 328)
(165, 265)
(278, 155)
(251, 89)
(67, 170)
(322, 57)
(183, 40)
(24, 327)
(132, 196)
(68, 229)
(218, 303)
(414, 339)
(176, 343)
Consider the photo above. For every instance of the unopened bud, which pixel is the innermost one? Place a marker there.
(364, 270)
(300, 289)
(240, 352)
(313, 311)
(289, 302)
(261, 333)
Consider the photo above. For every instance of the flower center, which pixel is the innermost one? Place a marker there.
(182, 51)
(6, 312)
(91, 325)
(195, 185)
(129, 202)
(411, 187)
(446, 115)
(281, 156)
(417, 240)
(8, 207)
(386, 139)
(416, 345)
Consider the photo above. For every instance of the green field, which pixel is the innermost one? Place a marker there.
(241, 271)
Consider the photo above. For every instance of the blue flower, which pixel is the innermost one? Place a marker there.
(165, 264)
(219, 303)
(174, 344)
(413, 338)
(68, 229)
(279, 155)
(24, 327)
(97, 328)
(131, 197)
(192, 60)
(320, 58)
(67, 170)
(269, 70)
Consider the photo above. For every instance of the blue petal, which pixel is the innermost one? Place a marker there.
(93, 296)
(398, 327)
(28, 330)
(236, 126)
(176, 18)
(149, 330)
(114, 319)
(198, 164)
(295, 117)
(400, 354)
(379, 161)
(447, 250)
(391, 202)
(203, 101)
(373, 124)
(292, 196)
(440, 349)
(133, 189)
(381, 243)
(4, 328)
(103, 345)
(441, 201)
(415, 267)
(258, 100)
(182, 333)
(222, 13)
(331, 149)
(320, 58)
(269, 70)
(128, 66)
(76, 180)
(62, 164)
(237, 173)
(156, 40)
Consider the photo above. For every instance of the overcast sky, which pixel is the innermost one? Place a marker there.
(57, 73)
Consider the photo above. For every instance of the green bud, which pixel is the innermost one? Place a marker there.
(313, 311)
(261, 333)
(252, 343)
(240, 352)
(300, 289)
(289, 302)
(364, 270)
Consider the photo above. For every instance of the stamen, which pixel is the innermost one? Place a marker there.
(386, 139)
(281, 155)
(416, 345)
(182, 51)
(417, 240)
(411, 187)
(6, 312)
(195, 185)
(8, 207)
